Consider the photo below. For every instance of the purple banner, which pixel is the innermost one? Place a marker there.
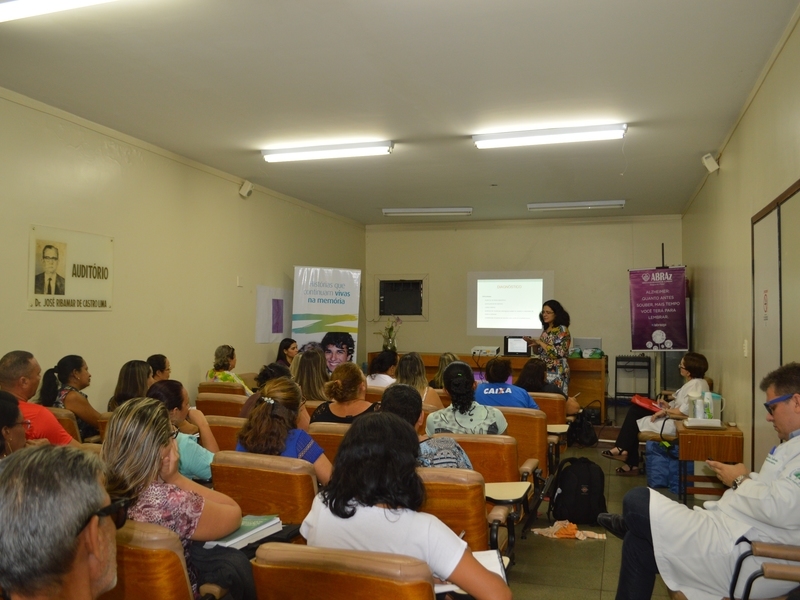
(277, 315)
(658, 309)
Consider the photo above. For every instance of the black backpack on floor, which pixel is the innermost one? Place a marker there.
(578, 492)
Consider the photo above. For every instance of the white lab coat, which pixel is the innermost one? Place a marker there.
(696, 550)
(681, 401)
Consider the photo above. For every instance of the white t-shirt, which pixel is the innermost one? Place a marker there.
(381, 380)
(401, 531)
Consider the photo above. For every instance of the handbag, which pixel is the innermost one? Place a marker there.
(581, 432)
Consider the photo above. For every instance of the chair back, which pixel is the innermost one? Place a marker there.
(249, 380)
(374, 394)
(553, 405)
(312, 405)
(529, 427)
(427, 409)
(226, 405)
(266, 485)
(293, 572)
(444, 397)
(225, 430)
(102, 424)
(493, 456)
(67, 420)
(328, 436)
(221, 387)
(150, 564)
(457, 498)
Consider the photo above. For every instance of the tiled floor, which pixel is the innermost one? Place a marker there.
(552, 569)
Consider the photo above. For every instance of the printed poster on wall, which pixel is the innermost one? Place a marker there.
(325, 311)
(658, 309)
(69, 270)
(273, 318)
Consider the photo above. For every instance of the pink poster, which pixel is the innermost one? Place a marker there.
(658, 309)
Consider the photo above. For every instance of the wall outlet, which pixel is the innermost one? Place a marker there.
(239, 281)
(744, 348)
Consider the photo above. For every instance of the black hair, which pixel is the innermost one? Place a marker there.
(169, 391)
(532, 377)
(9, 415)
(340, 339)
(272, 371)
(54, 378)
(383, 362)
(785, 379)
(498, 370)
(561, 316)
(460, 384)
(376, 464)
(402, 400)
(157, 362)
(285, 344)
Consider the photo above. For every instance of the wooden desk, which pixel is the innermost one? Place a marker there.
(724, 445)
(587, 375)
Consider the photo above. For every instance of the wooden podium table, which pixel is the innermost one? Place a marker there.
(587, 375)
(723, 445)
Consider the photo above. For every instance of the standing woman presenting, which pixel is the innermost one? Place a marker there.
(553, 345)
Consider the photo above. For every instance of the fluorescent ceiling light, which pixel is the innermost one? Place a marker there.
(585, 205)
(20, 9)
(332, 151)
(561, 135)
(463, 211)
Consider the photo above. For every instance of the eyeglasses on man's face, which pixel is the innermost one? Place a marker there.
(118, 511)
(772, 404)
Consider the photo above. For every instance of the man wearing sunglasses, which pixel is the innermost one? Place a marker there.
(695, 551)
(58, 533)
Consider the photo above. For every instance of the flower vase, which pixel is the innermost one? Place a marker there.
(389, 343)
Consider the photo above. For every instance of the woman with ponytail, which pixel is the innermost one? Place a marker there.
(61, 388)
(348, 391)
(277, 427)
(464, 415)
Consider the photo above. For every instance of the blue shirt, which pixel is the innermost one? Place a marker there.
(503, 394)
(298, 445)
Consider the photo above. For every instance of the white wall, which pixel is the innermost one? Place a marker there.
(761, 160)
(182, 235)
(590, 260)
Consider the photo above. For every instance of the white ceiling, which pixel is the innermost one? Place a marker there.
(217, 80)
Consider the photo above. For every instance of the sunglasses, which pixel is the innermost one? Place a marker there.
(118, 511)
(770, 406)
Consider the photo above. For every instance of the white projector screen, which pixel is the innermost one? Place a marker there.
(500, 304)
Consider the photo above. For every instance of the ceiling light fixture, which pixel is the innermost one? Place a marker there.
(584, 205)
(21, 9)
(332, 151)
(562, 135)
(463, 211)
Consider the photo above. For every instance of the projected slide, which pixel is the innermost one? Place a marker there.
(509, 303)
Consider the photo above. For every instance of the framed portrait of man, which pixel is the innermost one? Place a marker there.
(50, 266)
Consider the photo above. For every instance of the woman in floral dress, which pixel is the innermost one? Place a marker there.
(553, 345)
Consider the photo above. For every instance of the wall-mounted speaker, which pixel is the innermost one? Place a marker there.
(247, 189)
(710, 164)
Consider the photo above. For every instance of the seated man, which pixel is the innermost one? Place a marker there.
(405, 401)
(496, 392)
(61, 545)
(20, 374)
(695, 551)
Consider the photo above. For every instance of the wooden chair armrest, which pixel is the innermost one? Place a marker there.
(498, 514)
(528, 468)
(779, 551)
(781, 571)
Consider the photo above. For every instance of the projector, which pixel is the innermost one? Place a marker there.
(485, 351)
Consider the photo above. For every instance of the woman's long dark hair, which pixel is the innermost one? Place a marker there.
(273, 417)
(376, 464)
(561, 316)
(169, 391)
(132, 381)
(9, 416)
(532, 376)
(460, 384)
(53, 379)
(285, 344)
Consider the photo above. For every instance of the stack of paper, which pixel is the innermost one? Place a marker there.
(490, 559)
(704, 423)
(253, 528)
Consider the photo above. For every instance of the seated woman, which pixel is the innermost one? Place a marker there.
(277, 427)
(224, 364)
(142, 461)
(445, 359)
(464, 415)
(267, 373)
(135, 378)
(382, 369)
(160, 365)
(287, 351)
(496, 392)
(312, 375)
(347, 389)
(195, 459)
(533, 378)
(12, 425)
(693, 367)
(61, 388)
(372, 503)
(405, 402)
(411, 371)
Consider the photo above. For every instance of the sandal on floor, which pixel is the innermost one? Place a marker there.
(623, 454)
(632, 471)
